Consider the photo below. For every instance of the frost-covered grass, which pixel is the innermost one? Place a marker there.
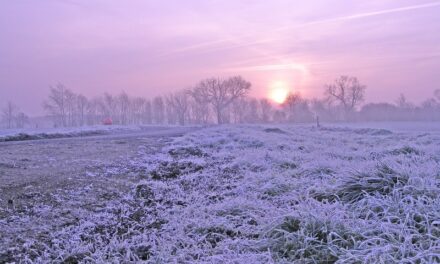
(259, 194)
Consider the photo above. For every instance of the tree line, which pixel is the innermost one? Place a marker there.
(223, 101)
(13, 117)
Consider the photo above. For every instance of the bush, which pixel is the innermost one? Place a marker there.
(172, 170)
(382, 181)
(310, 240)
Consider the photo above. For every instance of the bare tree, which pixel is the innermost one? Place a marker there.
(198, 106)
(252, 111)
(21, 120)
(346, 91)
(221, 93)
(109, 106)
(9, 114)
(82, 105)
(297, 109)
(403, 103)
(94, 113)
(70, 102)
(437, 95)
(147, 113)
(136, 110)
(123, 102)
(170, 113)
(290, 104)
(158, 110)
(279, 116)
(178, 105)
(266, 110)
(239, 108)
(56, 105)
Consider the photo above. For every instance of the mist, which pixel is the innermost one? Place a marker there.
(147, 49)
(219, 131)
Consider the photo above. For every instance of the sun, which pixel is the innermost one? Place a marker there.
(278, 92)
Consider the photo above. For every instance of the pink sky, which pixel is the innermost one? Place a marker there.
(149, 48)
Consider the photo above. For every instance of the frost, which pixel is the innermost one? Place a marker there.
(248, 194)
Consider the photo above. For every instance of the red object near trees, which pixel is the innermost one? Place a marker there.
(107, 121)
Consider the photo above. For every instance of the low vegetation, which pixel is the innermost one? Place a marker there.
(254, 194)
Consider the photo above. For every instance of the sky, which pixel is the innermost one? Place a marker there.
(148, 48)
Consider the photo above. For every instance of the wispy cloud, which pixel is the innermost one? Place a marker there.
(271, 67)
(239, 42)
(305, 67)
(369, 14)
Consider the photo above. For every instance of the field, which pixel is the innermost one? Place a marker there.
(225, 194)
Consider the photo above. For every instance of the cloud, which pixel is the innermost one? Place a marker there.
(239, 42)
(271, 67)
(370, 14)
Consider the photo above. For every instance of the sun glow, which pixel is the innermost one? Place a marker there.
(279, 92)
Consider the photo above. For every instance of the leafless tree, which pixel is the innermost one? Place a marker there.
(109, 106)
(56, 105)
(297, 109)
(290, 104)
(403, 103)
(322, 109)
(70, 102)
(9, 114)
(239, 108)
(437, 95)
(147, 113)
(252, 111)
(158, 110)
(123, 103)
(198, 107)
(170, 113)
(221, 93)
(178, 105)
(81, 107)
(279, 116)
(21, 120)
(266, 110)
(137, 106)
(94, 111)
(347, 92)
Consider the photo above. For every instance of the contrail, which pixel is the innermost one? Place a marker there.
(370, 14)
(237, 42)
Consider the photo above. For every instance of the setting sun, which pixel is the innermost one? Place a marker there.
(279, 92)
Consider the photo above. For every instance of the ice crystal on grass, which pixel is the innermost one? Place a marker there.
(248, 194)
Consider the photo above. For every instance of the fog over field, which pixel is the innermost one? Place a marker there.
(219, 131)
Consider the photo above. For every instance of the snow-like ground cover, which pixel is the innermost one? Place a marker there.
(396, 126)
(258, 194)
(49, 133)
(45, 133)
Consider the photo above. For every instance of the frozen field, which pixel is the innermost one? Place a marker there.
(229, 194)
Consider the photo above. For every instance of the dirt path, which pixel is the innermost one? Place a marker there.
(46, 165)
(44, 173)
